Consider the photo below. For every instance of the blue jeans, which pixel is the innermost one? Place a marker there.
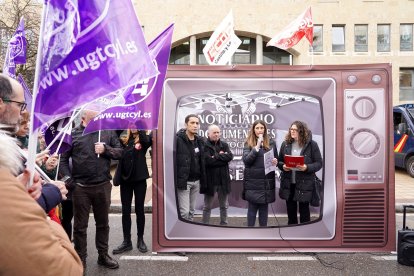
(252, 211)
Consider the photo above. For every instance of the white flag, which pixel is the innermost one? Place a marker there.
(223, 43)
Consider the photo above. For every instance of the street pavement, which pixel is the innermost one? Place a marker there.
(136, 263)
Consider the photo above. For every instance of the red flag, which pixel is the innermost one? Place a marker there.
(293, 33)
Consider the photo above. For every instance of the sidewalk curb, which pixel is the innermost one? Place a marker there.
(117, 208)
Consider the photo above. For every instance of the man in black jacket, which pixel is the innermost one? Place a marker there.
(190, 171)
(91, 177)
(217, 155)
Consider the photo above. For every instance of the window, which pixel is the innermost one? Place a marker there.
(406, 37)
(361, 38)
(246, 53)
(201, 43)
(338, 38)
(180, 54)
(317, 39)
(406, 84)
(274, 55)
(383, 38)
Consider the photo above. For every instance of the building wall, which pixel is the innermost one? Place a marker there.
(268, 17)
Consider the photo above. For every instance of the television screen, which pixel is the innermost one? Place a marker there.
(233, 105)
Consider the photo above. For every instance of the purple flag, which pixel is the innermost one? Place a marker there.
(89, 49)
(16, 51)
(139, 105)
(53, 130)
(27, 94)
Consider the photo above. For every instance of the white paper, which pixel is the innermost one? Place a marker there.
(268, 157)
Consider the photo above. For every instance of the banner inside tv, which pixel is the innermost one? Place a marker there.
(345, 107)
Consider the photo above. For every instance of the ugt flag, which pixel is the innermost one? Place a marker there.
(293, 33)
(138, 106)
(88, 50)
(223, 43)
(63, 143)
(28, 98)
(16, 51)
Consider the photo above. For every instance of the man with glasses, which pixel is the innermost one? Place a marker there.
(11, 101)
(11, 106)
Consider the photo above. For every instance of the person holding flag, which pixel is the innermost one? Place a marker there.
(132, 174)
(90, 174)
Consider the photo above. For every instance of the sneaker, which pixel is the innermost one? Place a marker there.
(142, 247)
(125, 246)
(106, 261)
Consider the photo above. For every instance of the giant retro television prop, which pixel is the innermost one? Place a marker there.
(347, 108)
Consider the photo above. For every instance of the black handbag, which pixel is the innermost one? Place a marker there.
(316, 193)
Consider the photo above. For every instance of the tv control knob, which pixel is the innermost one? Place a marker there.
(364, 108)
(364, 143)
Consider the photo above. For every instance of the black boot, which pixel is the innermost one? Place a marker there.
(142, 247)
(126, 245)
(106, 261)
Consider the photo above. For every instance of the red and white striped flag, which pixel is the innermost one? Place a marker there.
(293, 33)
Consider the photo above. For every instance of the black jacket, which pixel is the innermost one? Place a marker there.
(258, 187)
(304, 180)
(183, 154)
(87, 168)
(132, 167)
(217, 166)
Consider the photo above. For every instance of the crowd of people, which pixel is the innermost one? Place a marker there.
(80, 179)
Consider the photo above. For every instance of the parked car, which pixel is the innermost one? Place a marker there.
(404, 137)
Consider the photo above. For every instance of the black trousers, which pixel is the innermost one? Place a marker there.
(67, 216)
(99, 198)
(138, 189)
(292, 208)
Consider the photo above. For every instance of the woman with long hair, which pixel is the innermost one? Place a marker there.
(131, 174)
(258, 188)
(297, 183)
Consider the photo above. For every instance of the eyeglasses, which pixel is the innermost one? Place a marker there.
(293, 129)
(22, 105)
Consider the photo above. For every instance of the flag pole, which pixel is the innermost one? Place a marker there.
(312, 55)
(31, 155)
(57, 168)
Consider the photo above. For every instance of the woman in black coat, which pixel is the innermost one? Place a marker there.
(259, 188)
(297, 184)
(131, 174)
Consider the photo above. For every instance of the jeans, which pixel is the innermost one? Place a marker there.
(252, 211)
(99, 197)
(187, 199)
(139, 189)
(223, 203)
(292, 208)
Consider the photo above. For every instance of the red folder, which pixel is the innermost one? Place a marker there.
(292, 161)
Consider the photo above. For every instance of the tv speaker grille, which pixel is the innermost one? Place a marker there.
(364, 217)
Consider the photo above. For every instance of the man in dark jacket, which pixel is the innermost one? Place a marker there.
(217, 155)
(91, 176)
(190, 173)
